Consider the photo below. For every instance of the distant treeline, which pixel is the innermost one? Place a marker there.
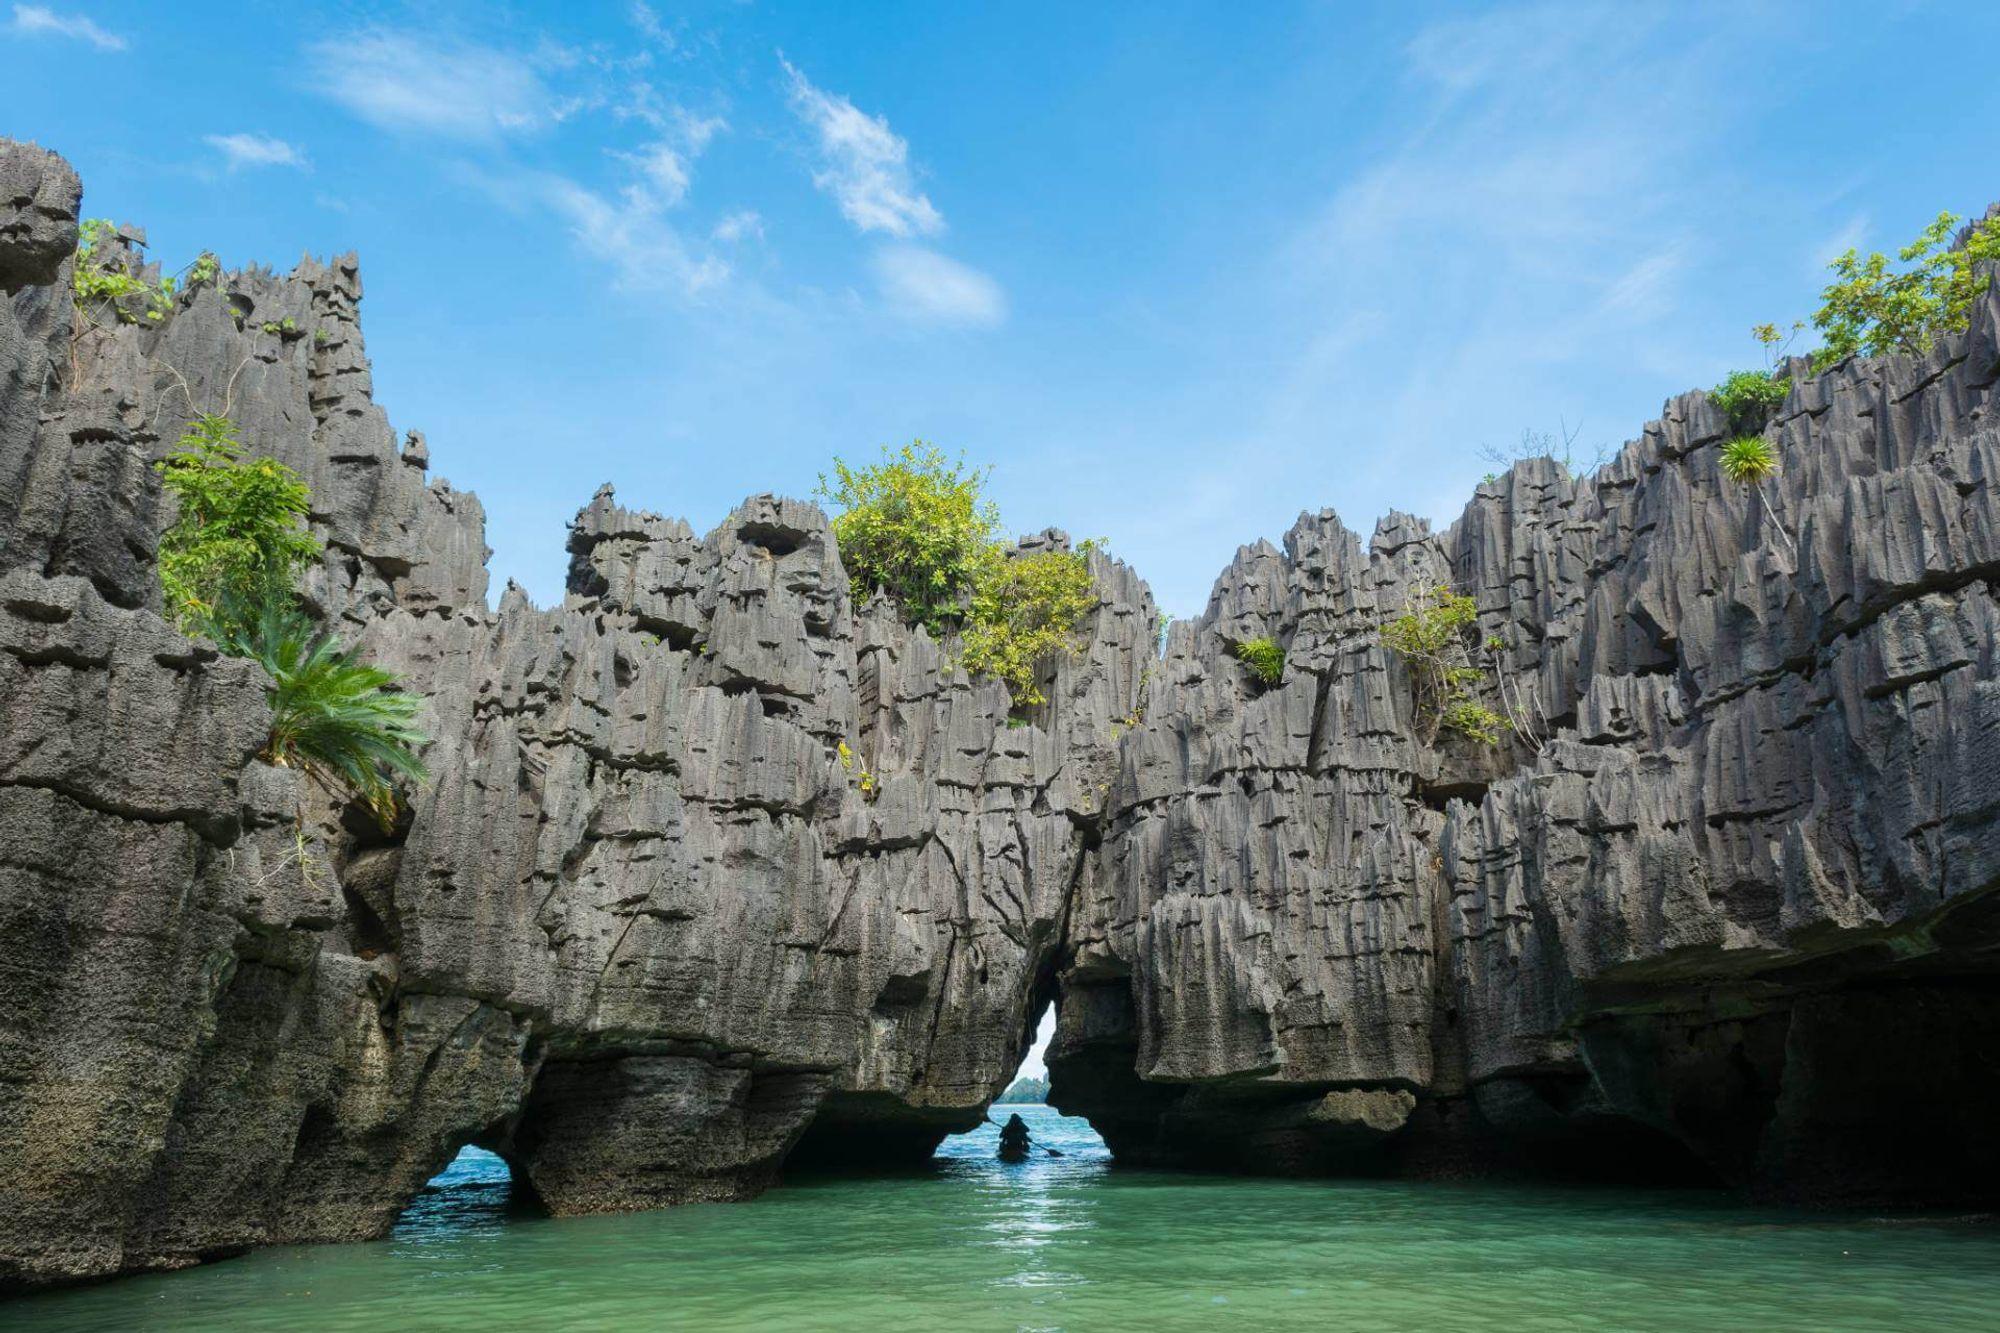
(1025, 1090)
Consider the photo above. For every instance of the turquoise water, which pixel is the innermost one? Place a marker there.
(1071, 1243)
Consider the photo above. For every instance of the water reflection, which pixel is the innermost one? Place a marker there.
(1067, 1243)
(1038, 1210)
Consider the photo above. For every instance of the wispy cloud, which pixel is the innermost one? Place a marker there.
(925, 286)
(665, 165)
(256, 150)
(864, 164)
(1646, 289)
(1518, 220)
(41, 20)
(647, 20)
(629, 231)
(743, 224)
(415, 84)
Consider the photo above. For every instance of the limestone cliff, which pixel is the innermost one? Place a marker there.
(1729, 890)
(646, 935)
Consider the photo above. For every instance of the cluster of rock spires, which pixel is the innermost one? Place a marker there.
(1724, 906)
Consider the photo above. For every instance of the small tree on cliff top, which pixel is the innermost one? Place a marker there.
(918, 526)
(1869, 310)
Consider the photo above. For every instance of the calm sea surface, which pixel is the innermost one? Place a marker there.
(1071, 1243)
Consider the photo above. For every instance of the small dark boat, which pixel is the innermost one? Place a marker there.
(1014, 1140)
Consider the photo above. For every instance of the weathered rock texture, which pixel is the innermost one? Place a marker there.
(641, 929)
(722, 865)
(1732, 887)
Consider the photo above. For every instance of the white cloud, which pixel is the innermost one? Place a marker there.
(628, 231)
(256, 150)
(401, 82)
(925, 286)
(865, 165)
(665, 167)
(647, 21)
(39, 19)
(740, 225)
(1646, 290)
(664, 170)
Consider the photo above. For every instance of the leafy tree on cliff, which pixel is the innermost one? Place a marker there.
(229, 570)
(1870, 310)
(240, 538)
(918, 526)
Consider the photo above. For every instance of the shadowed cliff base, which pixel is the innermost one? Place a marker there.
(1727, 879)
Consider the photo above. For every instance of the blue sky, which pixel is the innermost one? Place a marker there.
(1175, 271)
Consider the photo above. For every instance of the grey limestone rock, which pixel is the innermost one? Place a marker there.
(723, 867)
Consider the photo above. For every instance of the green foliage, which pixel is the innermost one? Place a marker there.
(914, 524)
(1749, 459)
(96, 279)
(206, 268)
(332, 715)
(1870, 310)
(1430, 637)
(240, 538)
(1749, 397)
(1265, 659)
(1024, 609)
(866, 781)
(287, 328)
(917, 525)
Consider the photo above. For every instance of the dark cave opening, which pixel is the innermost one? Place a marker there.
(872, 1132)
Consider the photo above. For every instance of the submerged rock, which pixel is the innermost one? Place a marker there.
(1725, 895)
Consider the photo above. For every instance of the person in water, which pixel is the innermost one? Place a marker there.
(1014, 1139)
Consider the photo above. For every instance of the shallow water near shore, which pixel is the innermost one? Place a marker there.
(1074, 1243)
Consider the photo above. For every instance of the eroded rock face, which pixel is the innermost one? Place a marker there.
(711, 852)
(1732, 883)
(723, 867)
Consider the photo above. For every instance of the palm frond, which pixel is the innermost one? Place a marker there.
(332, 715)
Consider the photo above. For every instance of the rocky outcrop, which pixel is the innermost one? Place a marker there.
(722, 866)
(1731, 884)
(712, 853)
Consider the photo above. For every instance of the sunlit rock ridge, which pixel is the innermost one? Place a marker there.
(1726, 910)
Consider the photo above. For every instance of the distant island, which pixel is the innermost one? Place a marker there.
(1024, 1090)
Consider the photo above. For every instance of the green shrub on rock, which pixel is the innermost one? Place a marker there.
(1265, 659)
(1748, 398)
(1026, 608)
(95, 280)
(240, 538)
(229, 570)
(1869, 310)
(1430, 638)
(918, 526)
